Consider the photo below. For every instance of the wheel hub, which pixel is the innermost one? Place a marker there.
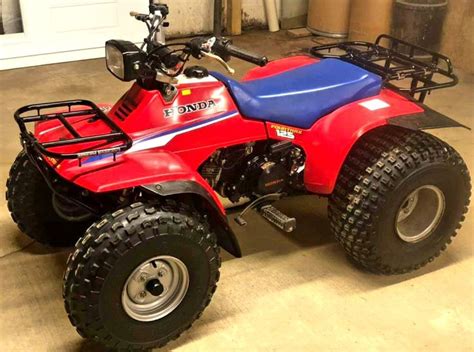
(155, 288)
(420, 214)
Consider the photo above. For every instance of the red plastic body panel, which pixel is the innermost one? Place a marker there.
(142, 168)
(168, 146)
(173, 138)
(330, 139)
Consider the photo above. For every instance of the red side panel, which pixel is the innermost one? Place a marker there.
(142, 112)
(331, 138)
(145, 167)
(171, 139)
(279, 66)
(142, 168)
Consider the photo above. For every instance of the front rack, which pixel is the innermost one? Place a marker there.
(70, 109)
(403, 66)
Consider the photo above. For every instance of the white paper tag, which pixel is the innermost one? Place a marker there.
(374, 104)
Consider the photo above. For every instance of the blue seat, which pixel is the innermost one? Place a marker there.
(301, 96)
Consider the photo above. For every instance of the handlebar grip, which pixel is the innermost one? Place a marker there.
(139, 16)
(246, 55)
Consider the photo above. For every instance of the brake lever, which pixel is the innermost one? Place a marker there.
(219, 59)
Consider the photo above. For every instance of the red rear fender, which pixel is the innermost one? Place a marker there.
(328, 142)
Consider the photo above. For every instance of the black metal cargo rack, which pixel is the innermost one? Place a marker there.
(403, 66)
(35, 113)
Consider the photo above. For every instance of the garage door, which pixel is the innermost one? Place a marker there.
(36, 32)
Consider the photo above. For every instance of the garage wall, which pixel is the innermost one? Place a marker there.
(458, 37)
(189, 17)
(196, 17)
(67, 30)
(253, 13)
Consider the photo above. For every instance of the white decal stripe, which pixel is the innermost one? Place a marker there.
(163, 140)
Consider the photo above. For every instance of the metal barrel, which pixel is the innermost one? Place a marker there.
(329, 18)
(369, 19)
(419, 22)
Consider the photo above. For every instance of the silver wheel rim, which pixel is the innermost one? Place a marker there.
(420, 213)
(167, 273)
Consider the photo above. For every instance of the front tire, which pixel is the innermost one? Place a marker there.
(399, 199)
(30, 202)
(114, 289)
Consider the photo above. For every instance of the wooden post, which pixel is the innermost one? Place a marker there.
(217, 18)
(234, 17)
(2, 31)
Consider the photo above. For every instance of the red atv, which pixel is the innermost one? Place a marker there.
(141, 177)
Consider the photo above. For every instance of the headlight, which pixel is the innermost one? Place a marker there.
(123, 59)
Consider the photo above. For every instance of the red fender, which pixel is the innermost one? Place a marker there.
(163, 173)
(143, 168)
(328, 142)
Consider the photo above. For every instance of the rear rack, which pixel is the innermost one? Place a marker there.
(399, 64)
(85, 108)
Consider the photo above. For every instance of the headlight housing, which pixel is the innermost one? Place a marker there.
(123, 59)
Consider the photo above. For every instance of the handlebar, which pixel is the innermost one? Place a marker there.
(171, 62)
(139, 16)
(224, 48)
(246, 55)
(159, 56)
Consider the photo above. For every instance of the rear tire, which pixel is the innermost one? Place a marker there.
(399, 199)
(30, 202)
(102, 289)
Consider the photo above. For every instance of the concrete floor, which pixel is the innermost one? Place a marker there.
(289, 292)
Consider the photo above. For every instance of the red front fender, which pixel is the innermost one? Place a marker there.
(136, 169)
(162, 173)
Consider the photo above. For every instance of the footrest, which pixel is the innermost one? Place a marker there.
(277, 218)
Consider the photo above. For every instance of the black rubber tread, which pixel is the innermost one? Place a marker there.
(376, 164)
(29, 201)
(112, 237)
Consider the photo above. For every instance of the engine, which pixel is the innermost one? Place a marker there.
(255, 169)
